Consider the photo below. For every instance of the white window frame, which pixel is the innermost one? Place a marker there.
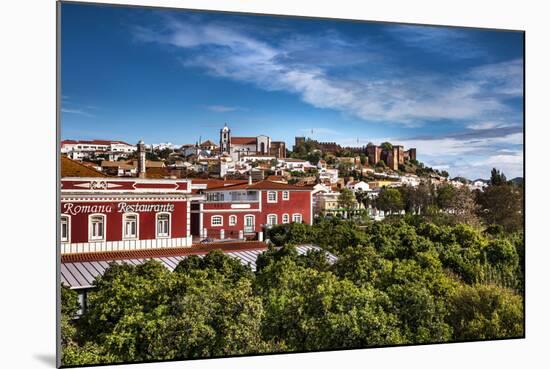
(271, 193)
(68, 238)
(286, 219)
(297, 215)
(124, 236)
(163, 235)
(216, 217)
(232, 220)
(286, 195)
(91, 238)
(253, 222)
(269, 216)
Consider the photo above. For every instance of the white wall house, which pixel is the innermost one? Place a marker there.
(357, 186)
(329, 175)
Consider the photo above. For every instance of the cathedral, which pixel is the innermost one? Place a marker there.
(239, 147)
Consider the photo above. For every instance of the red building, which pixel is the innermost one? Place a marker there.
(113, 214)
(101, 213)
(245, 209)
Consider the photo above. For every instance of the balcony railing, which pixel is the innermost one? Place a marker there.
(232, 197)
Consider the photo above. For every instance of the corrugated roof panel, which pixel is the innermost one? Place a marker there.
(85, 273)
(82, 274)
(82, 281)
(172, 264)
(71, 280)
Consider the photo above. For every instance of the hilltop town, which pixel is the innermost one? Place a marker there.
(326, 166)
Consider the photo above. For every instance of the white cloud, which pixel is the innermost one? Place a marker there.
(76, 111)
(226, 52)
(222, 108)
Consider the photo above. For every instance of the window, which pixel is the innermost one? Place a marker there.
(163, 225)
(271, 219)
(232, 220)
(271, 196)
(215, 196)
(217, 220)
(130, 226)
(97, 227)
(65, 228)
(286, 195)
(249, 223)
(297, 218)
(285, 218)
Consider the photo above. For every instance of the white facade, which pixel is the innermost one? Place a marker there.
(357, 186)
(78, 150)
(329, 174)
(410, 180)
(295, 164)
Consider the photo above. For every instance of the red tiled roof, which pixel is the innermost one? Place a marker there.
(208, 143)
(71, 168)
(197, 249)
(243, 140)
(214, 183)
(264, 185)
(274, 178)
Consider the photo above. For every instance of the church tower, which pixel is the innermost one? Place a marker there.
(225, 140)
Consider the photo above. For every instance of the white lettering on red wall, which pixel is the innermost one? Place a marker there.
(122, 207)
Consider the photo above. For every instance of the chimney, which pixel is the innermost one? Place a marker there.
(250, 178)
(141, 159)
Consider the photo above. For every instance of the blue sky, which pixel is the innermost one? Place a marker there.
(175, 76)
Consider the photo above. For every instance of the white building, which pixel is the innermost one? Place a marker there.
(239, 147)
(477, 185)
(297, 165)
(410, 180)
(80, 149)
(357, 186)
(330, 175)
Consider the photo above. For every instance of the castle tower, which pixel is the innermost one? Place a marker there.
(141, 159)
(225, 140)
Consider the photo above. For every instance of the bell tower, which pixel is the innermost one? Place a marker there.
(141, 159)
(225, 140)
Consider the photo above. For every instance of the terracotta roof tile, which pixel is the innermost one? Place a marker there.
(72, 168)
(243, 140)
(197, 249)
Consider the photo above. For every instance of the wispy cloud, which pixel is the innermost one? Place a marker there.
(234, 54)
(77, 111)
(223, 108)
(438, 40)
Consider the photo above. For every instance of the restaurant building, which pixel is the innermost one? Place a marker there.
(100, 213)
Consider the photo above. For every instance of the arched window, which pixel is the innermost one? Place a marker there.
(65, 228)
(163, 225)
(249, 223)
(232, 220)
(285, 218)
(297, 218)
(96, 226)
(216, 221)
(130, 226)
(272, 219)
(286, 195)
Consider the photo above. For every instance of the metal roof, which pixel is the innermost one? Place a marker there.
(79, 275)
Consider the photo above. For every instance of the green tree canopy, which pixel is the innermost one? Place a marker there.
(486, 312)
(346, 200)
(390, 200)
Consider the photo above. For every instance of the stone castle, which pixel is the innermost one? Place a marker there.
(393, 157)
